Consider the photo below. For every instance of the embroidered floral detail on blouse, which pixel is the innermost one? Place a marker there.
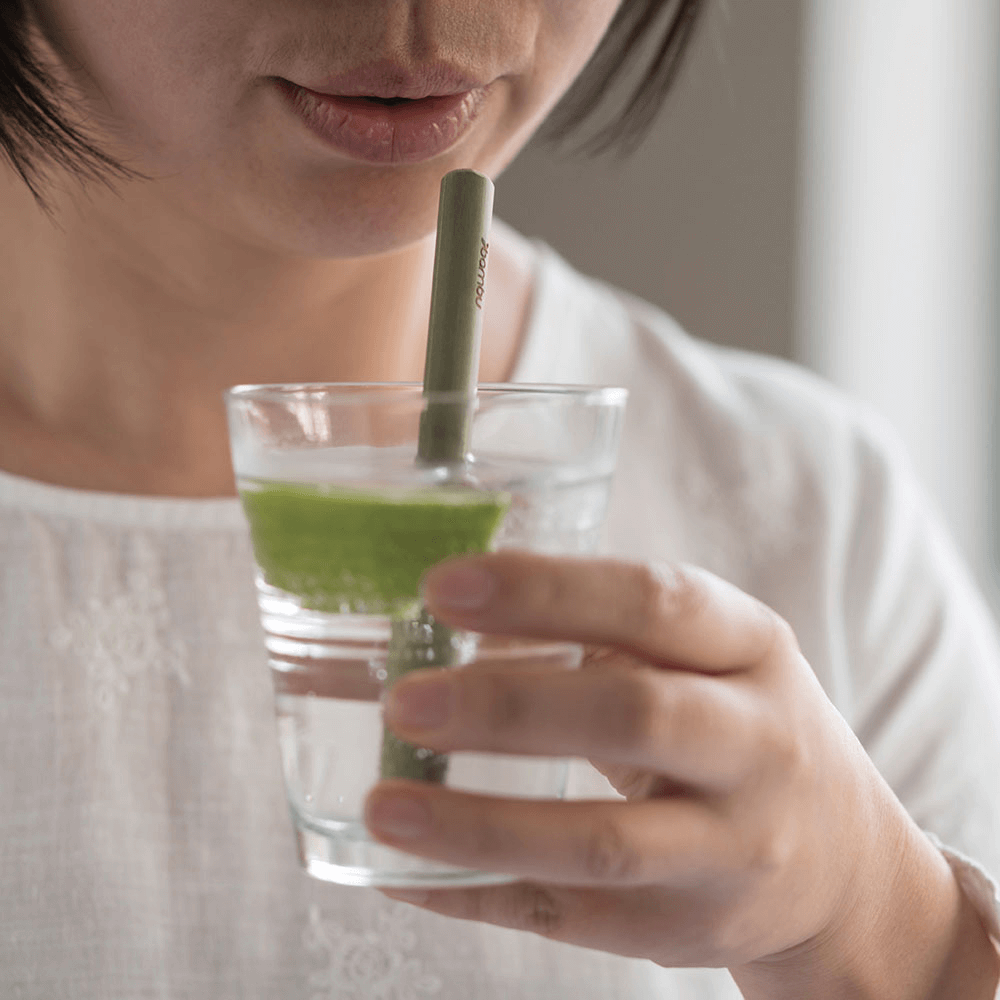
(373, 965)
(121, 635)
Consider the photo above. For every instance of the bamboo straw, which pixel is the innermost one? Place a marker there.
(454, 334)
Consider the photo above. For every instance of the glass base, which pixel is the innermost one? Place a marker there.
(348, 856)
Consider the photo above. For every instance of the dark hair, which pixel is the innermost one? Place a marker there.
(35, 131)
(627, 35)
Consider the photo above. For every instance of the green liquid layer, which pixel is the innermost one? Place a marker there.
(360, 552)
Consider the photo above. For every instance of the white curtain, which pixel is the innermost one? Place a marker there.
(898, 240)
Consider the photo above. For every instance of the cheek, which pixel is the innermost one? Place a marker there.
(569, 33)
(573, 31)
(162, 79)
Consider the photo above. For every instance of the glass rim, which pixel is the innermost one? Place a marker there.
(282, 391)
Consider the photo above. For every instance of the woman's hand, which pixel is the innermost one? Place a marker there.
(756, 833)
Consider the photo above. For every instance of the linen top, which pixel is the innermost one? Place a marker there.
(145, 845)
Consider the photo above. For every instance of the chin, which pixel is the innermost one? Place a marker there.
(326, 225)
(338, 211)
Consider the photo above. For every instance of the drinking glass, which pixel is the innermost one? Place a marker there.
(344, 519)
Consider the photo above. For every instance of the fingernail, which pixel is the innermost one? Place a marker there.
(400, 816)
(419, 704)
(461, 587)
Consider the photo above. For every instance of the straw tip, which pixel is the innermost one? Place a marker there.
(467, 176)
(467, 170)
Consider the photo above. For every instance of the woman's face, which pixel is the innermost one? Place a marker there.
(254, 116)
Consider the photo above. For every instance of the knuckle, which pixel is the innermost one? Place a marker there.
(665, 594)
(634, 712)
(786, 754)
(735, 932)
(536, 910)
(503, 705)
(762, 853)
(780, 637)
(599, 656)
(780, 759)
(770, 852)
(608, 856)
(650, 596)
(490, 843)
(545, 590)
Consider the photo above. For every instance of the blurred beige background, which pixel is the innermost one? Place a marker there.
(701, 220)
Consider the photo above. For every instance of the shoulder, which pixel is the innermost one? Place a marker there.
(749, 440)
(582, 326)
(748, 465)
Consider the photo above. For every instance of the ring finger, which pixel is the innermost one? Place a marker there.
(570, 843)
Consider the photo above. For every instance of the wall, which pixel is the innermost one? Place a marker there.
(701, 220)
(898, 281)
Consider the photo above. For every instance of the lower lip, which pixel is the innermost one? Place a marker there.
(375, 133)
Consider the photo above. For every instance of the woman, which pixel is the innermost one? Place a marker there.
(260, 181)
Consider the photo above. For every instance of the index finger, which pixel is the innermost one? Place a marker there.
(674, 615)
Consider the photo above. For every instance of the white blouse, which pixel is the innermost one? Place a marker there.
(145, 845)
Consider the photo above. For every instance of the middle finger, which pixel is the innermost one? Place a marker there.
(693, 728)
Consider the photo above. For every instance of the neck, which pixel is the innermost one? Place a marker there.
(122, 321)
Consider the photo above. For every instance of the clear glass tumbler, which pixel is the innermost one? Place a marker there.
(344, 520)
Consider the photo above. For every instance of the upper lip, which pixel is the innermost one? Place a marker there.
(387, 79)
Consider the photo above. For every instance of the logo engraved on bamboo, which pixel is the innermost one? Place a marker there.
(484, 252)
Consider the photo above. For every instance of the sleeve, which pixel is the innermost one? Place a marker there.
(979, 888)
(925, 663)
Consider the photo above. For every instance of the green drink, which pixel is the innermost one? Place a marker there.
(364, 552)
